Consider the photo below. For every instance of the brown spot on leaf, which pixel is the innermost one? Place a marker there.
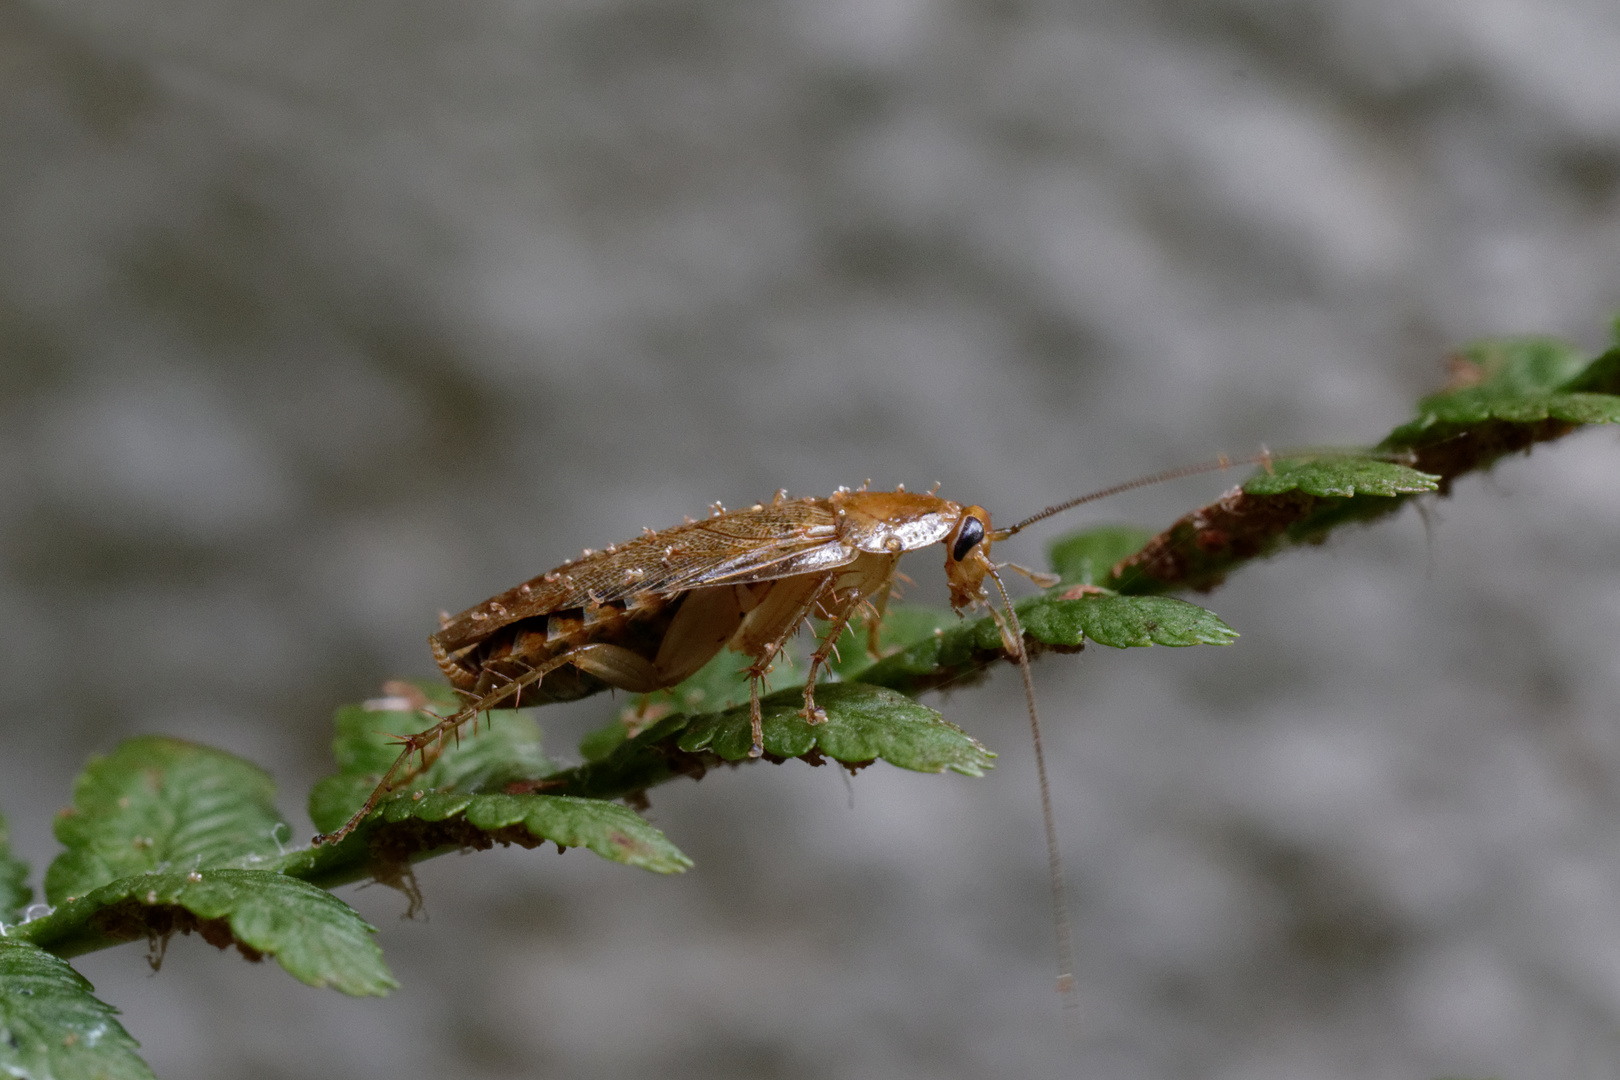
(131, 920)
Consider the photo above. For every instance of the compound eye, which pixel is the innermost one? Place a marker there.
(967, 538)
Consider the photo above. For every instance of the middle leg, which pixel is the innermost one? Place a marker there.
(844, 606)
(866, 581)
(767, 628)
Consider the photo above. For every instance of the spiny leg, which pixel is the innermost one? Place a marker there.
(812, 712)
(754, 719)
(874, 628)
(429, 743)
(784, 620)
(877, 605)
(756, 677)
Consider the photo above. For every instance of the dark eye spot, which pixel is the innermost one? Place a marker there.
(967, 538)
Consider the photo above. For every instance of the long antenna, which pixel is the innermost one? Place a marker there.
(1264, 457)
(1221, 463)
(1013, 638)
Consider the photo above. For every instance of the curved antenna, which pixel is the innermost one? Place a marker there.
(1012, 636)
(1264, 457)
(1220, 464)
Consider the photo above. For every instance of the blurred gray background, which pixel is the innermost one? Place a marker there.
(316, 319)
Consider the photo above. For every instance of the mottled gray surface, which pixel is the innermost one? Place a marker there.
(318, 318)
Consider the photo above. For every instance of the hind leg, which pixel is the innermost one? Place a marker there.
(612, 664)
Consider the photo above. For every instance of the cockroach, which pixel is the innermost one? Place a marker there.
(646, 615)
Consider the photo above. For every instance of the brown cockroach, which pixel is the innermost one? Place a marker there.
(646, 615)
